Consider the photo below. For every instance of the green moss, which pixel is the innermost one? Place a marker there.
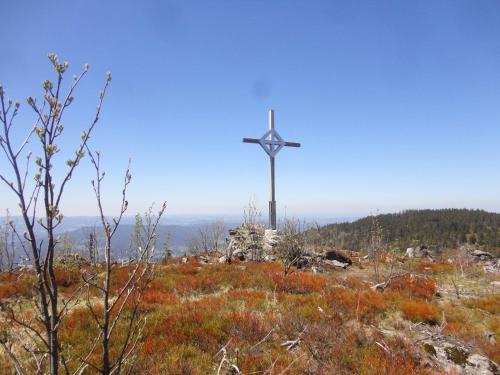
(457, 355)
(429, 348)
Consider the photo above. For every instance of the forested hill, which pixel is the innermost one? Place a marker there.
(445, 228)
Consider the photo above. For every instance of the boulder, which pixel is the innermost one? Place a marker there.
(492, 266)
(203, 259)
(480, 365)
(481, 255)
(458, 359)
(335, 263)
(419, 252)
(238, 254)
(334, 255)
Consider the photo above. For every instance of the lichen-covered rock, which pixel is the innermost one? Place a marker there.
(458, 359)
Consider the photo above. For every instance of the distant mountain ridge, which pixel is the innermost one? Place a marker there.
(446, 228)
(179, 237)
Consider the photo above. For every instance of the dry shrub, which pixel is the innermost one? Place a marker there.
(338, 348)
(8, 277)
(261, 362)
(152, 297)
(436, 267)
(228, 275)
(363, 305)
(247, 326)
(490, 303)
(16, 284)
(491, 349)
(77, 331)
(299, 282)
(245, 294)
(67, 276)
(264, 267)
(191, 284)
(420, 311)
(191, 260)
(296, 311)
(188, 269)
(352, 282)
(414, 286)
(119, 277)
(398, 359)
(199, 323)
(256, 275)
(173, 360)
(251, 298)
(7, 291)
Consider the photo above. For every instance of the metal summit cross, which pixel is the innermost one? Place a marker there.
(272, 143)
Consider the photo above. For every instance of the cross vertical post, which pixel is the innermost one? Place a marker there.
(272, 143)
(272, 202)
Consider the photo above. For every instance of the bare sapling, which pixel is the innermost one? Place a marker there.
(38, 179)
(120, 302)
(376, 247)
(292, 245)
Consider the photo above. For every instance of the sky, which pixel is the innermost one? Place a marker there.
(396, 103)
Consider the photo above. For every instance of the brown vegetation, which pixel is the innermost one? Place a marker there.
(266, 321)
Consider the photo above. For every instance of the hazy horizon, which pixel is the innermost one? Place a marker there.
(199, 219)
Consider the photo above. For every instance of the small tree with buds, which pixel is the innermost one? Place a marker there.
(39, 200)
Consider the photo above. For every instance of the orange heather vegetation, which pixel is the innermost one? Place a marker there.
(414, 286)
(192, 311)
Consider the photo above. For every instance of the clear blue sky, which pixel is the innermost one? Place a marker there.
(396, 103)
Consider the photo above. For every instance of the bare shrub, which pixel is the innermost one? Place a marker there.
(292, 244)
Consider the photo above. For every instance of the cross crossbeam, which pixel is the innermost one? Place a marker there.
(271, 142)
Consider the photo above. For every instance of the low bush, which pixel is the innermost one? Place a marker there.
(436, 267)
(67, 276)
(7, 291)
(152, 297)
(299, 282)
(420, 311)
(16, 284)
(359, 304)
(414, 286)
(490, 303)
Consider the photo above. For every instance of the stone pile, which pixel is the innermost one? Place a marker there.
(422, 252)
(71, 259)
(486, 259)
(250, 242)
(255, 243)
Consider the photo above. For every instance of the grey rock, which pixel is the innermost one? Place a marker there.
(480, 365)
(482, 255)
(336, 263)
